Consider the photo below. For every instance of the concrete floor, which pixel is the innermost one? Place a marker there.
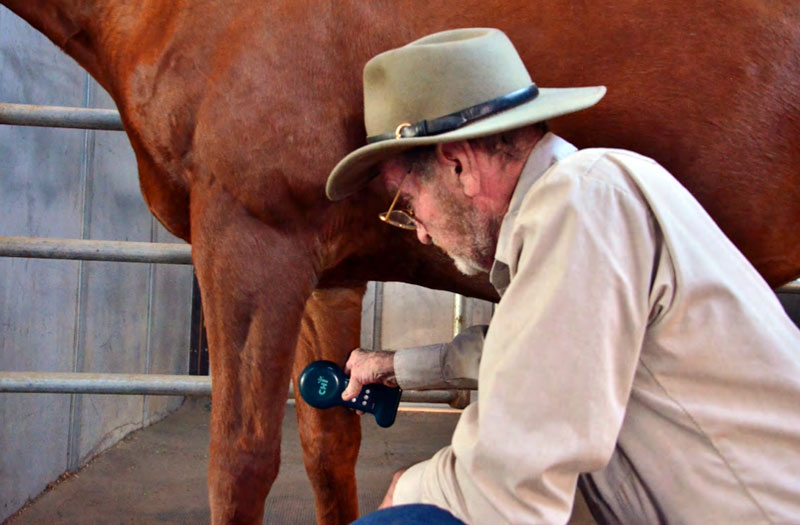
(157, 475)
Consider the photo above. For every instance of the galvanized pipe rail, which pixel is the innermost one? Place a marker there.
(90, 383)
(148, 384)
(89, 250)
(60, 117)
(792, 287)
(128, 251)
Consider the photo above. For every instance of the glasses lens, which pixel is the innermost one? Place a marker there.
(400, 219)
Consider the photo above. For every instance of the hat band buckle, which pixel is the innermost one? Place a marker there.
(460, 118)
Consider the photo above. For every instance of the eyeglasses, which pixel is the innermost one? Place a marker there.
(400, 218)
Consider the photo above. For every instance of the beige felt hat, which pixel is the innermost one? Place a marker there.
(445, 87)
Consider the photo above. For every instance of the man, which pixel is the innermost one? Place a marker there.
(633, 346)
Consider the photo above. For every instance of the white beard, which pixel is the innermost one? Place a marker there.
(464, 264)
(474, 232)
(467, 266)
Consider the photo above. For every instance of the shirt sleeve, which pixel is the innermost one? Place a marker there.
(444, 365)
(559, 358)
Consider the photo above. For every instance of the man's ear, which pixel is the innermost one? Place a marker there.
(458, 158)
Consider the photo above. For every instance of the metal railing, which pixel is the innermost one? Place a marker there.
(89, 250)
(129, 384)
(142, 252)
(149, 384)
(117, 251)
(792, 287)
(60, 117)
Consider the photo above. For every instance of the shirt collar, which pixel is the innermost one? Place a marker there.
(550, 149)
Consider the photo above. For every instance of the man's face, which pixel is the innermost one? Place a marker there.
(445, 216)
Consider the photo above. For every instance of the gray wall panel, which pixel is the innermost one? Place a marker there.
(414, 316)
(115, 336)
(26, 55)
(41, 195)
(367, 316)
(169, 327)
(33, 437)
(116, 298)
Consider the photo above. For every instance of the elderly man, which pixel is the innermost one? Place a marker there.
(634, 347)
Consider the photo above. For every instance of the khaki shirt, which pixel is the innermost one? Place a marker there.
(632, 342)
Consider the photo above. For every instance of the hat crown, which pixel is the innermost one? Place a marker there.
(439, 74)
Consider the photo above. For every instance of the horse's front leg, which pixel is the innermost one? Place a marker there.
(254, 282)
(330, 438)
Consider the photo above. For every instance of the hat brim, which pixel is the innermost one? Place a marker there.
(354, 171)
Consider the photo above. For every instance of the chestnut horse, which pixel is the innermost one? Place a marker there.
(237, 110)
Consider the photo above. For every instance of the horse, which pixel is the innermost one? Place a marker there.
(238, 110)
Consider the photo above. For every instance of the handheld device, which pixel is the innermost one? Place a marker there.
(321, 385)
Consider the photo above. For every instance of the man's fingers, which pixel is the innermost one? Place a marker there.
(352, 390)
(352, 360)
(348, 366)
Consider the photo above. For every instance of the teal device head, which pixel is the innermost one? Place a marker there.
(321, 385)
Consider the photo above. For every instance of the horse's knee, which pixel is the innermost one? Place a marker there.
(238, 484)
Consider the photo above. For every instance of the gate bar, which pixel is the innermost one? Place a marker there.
(127, 251)
(59, 117)
(88, 250)
(792, 287)
(147, 384)
(87, 383)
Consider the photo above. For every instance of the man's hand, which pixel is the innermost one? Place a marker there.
(365, 368)
(387, 499)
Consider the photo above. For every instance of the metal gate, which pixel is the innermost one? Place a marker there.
(119, 251)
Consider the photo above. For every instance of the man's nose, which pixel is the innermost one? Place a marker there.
(422, 234)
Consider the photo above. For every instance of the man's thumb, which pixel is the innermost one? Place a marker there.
(352, 390)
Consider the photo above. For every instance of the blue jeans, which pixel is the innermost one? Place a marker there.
(415, 514)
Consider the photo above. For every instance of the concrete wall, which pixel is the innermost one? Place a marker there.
(398, 315)
(66, 315)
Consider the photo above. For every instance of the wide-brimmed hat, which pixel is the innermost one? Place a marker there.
(448, 86)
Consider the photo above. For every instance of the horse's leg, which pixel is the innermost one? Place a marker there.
(255, 281)
(330, 438)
